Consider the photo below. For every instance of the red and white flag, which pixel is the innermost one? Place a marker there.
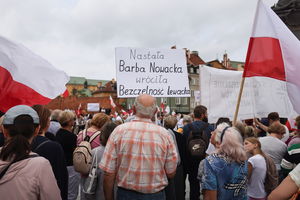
(162, 106)
(26, 78)
(113, 105)
(78, 111)
(124, 112)
(274, 52)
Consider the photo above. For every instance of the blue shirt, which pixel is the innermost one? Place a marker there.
(227, 177)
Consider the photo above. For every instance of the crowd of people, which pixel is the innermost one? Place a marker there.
(60, 155)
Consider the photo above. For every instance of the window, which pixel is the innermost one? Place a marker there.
(192, 81)
(163, 100)
(185, 101)
(192, 93)
(177, 100)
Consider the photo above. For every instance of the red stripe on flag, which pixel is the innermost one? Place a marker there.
(14, 93)
(66, 93)
(264, 58)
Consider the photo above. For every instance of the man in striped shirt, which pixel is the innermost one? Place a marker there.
(139, 156)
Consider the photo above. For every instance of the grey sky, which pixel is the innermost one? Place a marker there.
(79, 36)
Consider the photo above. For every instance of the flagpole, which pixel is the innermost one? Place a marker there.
(238, 101)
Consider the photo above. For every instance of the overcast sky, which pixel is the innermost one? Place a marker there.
(79, 36)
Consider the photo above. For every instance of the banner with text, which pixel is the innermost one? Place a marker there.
(157, 72)
(261, 95)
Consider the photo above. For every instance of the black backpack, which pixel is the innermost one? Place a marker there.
(197, 142)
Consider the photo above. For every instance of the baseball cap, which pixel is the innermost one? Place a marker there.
(14, 112)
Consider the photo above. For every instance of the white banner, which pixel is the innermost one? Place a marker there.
(261, 95)
(158, 72)
(197, 94)
(93, 107)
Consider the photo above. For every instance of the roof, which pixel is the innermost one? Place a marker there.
(217, 64)
(236, 64)
(195, 60)
(95, 81)
(74, 80)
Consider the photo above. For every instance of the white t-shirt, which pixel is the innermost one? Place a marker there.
(295, 175)
(274, 147)
(256, 187)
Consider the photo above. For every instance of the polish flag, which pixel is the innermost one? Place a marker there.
(124, 112)
(26, 78)
(78, 111)
(291, 124)
(113, 105)
(167, 110)
(162, 106)
(274, 52)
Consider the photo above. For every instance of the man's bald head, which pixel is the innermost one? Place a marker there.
(145, 106)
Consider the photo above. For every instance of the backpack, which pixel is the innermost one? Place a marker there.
(271, 180)
(89, 183)
(197, 143)
(82, 156)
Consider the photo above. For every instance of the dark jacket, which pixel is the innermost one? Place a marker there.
(68, 142)
(192, 164)
(53, 152)
(2, 139)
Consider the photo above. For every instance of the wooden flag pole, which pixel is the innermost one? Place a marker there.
(238, 102)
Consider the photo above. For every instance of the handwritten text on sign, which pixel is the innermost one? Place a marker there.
(158, 72)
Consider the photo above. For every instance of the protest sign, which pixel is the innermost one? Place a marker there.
(261, 95)
(93, 107)
(157, 72)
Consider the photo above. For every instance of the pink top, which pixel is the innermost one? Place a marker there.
(95, 143)
(31, 178)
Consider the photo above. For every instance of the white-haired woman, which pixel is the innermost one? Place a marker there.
(225, 171)
(67, 139)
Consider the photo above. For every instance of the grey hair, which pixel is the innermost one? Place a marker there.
(145, 111)
(219, 131)
(55, 114)
(170, 122)
(187, 118)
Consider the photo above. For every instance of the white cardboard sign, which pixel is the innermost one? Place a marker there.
(261, 95)
(93, 107)
(158, 72)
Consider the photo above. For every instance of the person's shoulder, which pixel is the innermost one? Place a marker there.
(36, 161)
(295, 146)
(55, 146)
(264, 139)
(216, 159)
(59, 133)
(281, 143)
(256, 158)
